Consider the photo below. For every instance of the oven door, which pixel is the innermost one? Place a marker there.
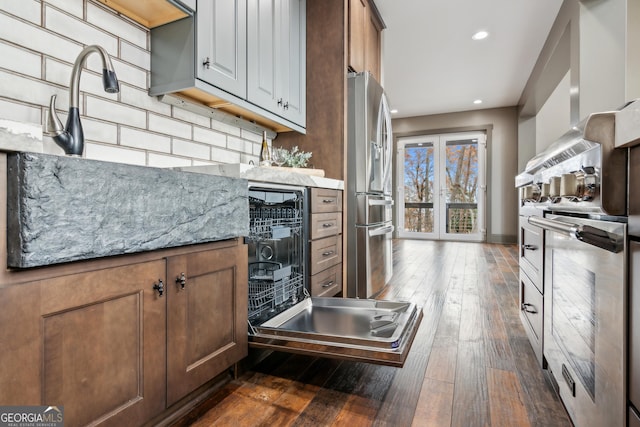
(585, 316)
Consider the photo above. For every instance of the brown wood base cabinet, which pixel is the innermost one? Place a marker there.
(112, 350)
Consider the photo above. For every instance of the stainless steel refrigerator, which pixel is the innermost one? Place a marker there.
(368, 187)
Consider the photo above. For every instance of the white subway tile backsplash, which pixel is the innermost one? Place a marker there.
(116, 25)
(115, 112)
(130, 74)
(19, 112)
(224, 156)
(37, 39)
(191, 149)
(76, 29)
(238, 144)
(251, 136)
(100, 131)
(209, 136)
(169, 126)
(188, 116)
(134, 55)
(74, 7)
(225, 128)
(31, 91)
(20, 60)
(28, 10)
(110, 153)
(162, 161)
(144, 140)
(141, 99)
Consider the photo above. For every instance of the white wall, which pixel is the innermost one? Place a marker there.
(39, 42)
(554, 118)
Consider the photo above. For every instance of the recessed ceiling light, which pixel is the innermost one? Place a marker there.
(480, 35)
(394, 111)
(478, 101)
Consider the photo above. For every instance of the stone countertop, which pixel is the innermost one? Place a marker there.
(268, 175)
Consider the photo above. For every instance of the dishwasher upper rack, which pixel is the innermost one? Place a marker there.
(269, 223)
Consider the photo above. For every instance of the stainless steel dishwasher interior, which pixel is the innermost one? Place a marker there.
(358, 322)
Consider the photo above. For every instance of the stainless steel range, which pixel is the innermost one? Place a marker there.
(575, 194)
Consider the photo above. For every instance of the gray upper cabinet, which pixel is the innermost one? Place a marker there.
(245, 57)
(222, 44)
(276, 57)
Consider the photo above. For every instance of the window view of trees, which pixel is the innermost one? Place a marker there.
(418, 188)
(461, 182)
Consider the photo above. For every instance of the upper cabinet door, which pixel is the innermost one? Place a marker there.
(294, 87)
(277, 57)
(222, 48)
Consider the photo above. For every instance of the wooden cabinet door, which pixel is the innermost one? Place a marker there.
(222, 44)
(357, 14)
(207, 320)
(91, 342)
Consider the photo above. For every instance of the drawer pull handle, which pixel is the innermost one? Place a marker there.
(327, 225)
(530, 247)
(327, 200)
(328, 253)
(326, 285)
(529, 308)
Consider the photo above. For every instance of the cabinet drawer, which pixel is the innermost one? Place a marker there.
(532, 252)
(531, 313)
(327, 283)
(325, 200)
(326, 224)
(325, 253)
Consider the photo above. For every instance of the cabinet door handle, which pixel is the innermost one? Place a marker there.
(181, 280)
(328, 253)
(529, 247)
(327, 200)
(206, 63)
(280, 102)
(327, 224)
(529, 308)
(286, 105)
(159, 287)
(329, 283)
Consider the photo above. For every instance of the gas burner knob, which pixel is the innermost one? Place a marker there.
(569, 186)
(554, 186)
(531, 193)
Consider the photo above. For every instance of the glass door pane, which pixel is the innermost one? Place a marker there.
(461, 186)
(419, 162)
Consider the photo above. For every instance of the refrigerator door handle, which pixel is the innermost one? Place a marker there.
(378, 202)
(380, 231)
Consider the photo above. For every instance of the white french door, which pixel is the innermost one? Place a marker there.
(441, 186)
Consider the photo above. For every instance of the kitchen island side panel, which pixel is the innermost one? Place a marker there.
(64, 209)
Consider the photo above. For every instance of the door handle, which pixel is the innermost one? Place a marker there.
(529, 247)
(376, 202)
(585, 233)
(381, 231)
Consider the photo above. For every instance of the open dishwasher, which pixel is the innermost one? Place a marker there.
(283, 317)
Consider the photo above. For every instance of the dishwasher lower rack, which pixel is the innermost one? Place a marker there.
(272, 288)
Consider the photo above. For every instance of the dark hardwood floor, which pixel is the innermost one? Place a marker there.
(470, 365)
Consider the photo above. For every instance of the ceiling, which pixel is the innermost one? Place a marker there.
(431, 65)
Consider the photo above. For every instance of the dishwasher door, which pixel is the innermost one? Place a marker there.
(372, 331)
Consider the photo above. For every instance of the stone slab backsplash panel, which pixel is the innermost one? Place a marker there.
(62, 209)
